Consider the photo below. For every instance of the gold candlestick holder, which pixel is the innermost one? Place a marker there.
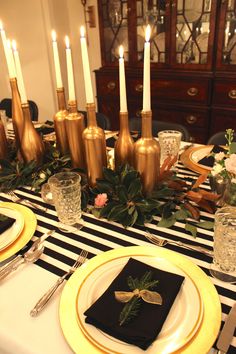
(124, 146)
(32, 146)
(3, 142)
(74, 129)
(95, 146)
(60, 123)
(147, 155)
(17, 113)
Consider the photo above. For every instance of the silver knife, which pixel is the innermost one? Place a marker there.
(227, 332)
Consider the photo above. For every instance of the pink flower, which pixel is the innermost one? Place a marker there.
(230, 164)
(219, 156)
(100, 200)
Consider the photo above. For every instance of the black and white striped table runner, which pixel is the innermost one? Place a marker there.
(100, 235)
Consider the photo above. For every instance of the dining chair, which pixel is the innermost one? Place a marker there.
(102, 120)
(6, 105)
(135, 124)
(218, 139)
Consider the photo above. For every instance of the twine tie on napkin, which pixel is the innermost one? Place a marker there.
(152, 297)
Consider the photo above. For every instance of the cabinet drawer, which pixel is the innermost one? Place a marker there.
(222, 120)
(188, 91)
(107, 85)
(224, 93)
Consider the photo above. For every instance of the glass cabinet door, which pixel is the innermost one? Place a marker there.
(192, 32)
(114, 29)
(226, 51)
(156, 14)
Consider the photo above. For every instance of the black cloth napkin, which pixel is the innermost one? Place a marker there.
(209, 160)
(143, 329)
(5, 223)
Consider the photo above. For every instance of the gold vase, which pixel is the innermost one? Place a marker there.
(74, 129)
(95, 146)
(32, 146)
(3, 142)
(147, 155)
(60, 123)
(17, 113)
(124, 146)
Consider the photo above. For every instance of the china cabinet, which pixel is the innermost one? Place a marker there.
(193, 61)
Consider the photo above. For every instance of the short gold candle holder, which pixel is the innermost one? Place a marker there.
(124, 146)
(60, 123)
(17, 113)
(147, 155)
(95, 146)
(3, 142)
(32, 146)
(74, 129)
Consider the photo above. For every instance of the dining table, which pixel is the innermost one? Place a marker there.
(23, 334)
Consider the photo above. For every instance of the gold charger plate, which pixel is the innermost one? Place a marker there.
(191, 156)
(30, 223)
(200, 343)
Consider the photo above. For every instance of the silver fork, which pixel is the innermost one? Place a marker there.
(158, 241)
(25, 201)
(47, 296)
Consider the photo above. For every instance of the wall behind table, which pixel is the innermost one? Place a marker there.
(30, 23)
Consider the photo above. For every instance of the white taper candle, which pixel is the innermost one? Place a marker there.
(20, 80)
(86, 67)
(56, 60)
(70, 75)
(123, 98)
(146, 72)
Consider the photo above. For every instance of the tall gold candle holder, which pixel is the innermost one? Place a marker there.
(74, 129)
(124, 146)
(147, 155)
(3, 141)
(17, 113)
(60, 123)
(32, 146)
(95, 146)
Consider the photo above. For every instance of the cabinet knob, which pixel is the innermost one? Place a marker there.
(111, 85)
(232, 94)
(192, 91)
(138, 113)
(139, 88)
(191, 119)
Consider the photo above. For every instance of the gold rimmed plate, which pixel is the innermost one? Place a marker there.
(191, 157)
(30, 223)
(203, 304)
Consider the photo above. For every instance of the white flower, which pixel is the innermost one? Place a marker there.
(219, 156)
(230, 164)
(217, 168)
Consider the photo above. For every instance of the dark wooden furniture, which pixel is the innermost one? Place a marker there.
(193, 61)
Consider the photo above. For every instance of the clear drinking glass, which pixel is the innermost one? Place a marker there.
(169, 141)
(224, 262)
(64, 191)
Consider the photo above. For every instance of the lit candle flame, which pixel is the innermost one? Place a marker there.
(54, 36)
(67, 41)
(82, 31)
(148, 33)
(121, 51)
(14, 46)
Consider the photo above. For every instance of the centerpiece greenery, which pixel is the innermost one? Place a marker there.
(119, 196)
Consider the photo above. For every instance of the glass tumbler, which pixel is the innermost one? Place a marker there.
(169, 141)
(64, 191)
(224, 261)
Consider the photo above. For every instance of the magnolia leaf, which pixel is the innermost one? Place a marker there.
(129, 178)
(126, 220)
(162, 193)
(118, 212)
(110, 176)
(167, 222)
(107, 208)
(140, 219)
(135, 188)
(134, 217)
(181, 214)
(191, 228)
(104, 186)
(122, 194)
(209, 225)
(96, 212)
(167, 209)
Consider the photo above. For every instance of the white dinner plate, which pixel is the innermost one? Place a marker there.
(180, 326)
(13, 232)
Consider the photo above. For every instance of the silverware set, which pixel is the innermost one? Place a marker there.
(25, 201)
(161, 242)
